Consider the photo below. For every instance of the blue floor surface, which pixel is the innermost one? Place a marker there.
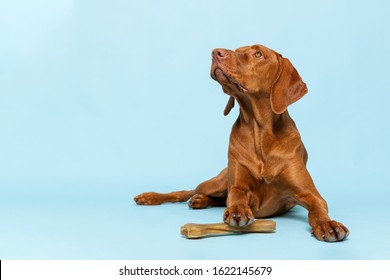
(111, 227)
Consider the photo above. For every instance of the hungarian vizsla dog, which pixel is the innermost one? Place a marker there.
(266, 173)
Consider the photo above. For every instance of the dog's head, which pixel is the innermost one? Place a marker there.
(257, 70)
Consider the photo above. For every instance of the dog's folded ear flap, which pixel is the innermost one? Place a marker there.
(229, 106)
(288, 86)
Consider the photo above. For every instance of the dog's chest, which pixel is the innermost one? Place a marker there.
(253, 150)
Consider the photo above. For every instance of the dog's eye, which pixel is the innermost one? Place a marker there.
(258, 54)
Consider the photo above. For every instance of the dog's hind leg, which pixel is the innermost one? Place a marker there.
(212, 192)
(153, 198)
(209, 193)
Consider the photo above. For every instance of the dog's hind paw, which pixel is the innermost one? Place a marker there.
(149, 198)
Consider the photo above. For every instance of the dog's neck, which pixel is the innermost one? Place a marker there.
(257, 111)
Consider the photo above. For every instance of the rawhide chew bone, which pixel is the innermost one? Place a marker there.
(206, 230)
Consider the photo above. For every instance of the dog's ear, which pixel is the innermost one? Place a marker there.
(229, 106)
(287, 88)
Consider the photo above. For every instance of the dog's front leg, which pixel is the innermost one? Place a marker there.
(305, 193)
(238, 213)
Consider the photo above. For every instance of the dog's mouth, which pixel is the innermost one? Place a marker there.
(222, 77)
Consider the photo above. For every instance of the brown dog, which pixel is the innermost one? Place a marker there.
(266, 173)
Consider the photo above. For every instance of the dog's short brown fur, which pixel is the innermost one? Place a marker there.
(266, 173)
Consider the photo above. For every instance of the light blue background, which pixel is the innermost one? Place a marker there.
(103, 100)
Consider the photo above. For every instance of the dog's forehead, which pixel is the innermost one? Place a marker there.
(254, 47)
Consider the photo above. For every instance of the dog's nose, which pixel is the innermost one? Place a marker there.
(220, 53)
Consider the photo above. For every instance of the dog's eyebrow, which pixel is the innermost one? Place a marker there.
(258, 47)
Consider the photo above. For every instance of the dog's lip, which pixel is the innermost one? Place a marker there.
(214, 68)
(228, 77)
(214, 73)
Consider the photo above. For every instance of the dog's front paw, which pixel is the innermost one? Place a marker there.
(238, 216)
(149, 198)
(330, 231)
